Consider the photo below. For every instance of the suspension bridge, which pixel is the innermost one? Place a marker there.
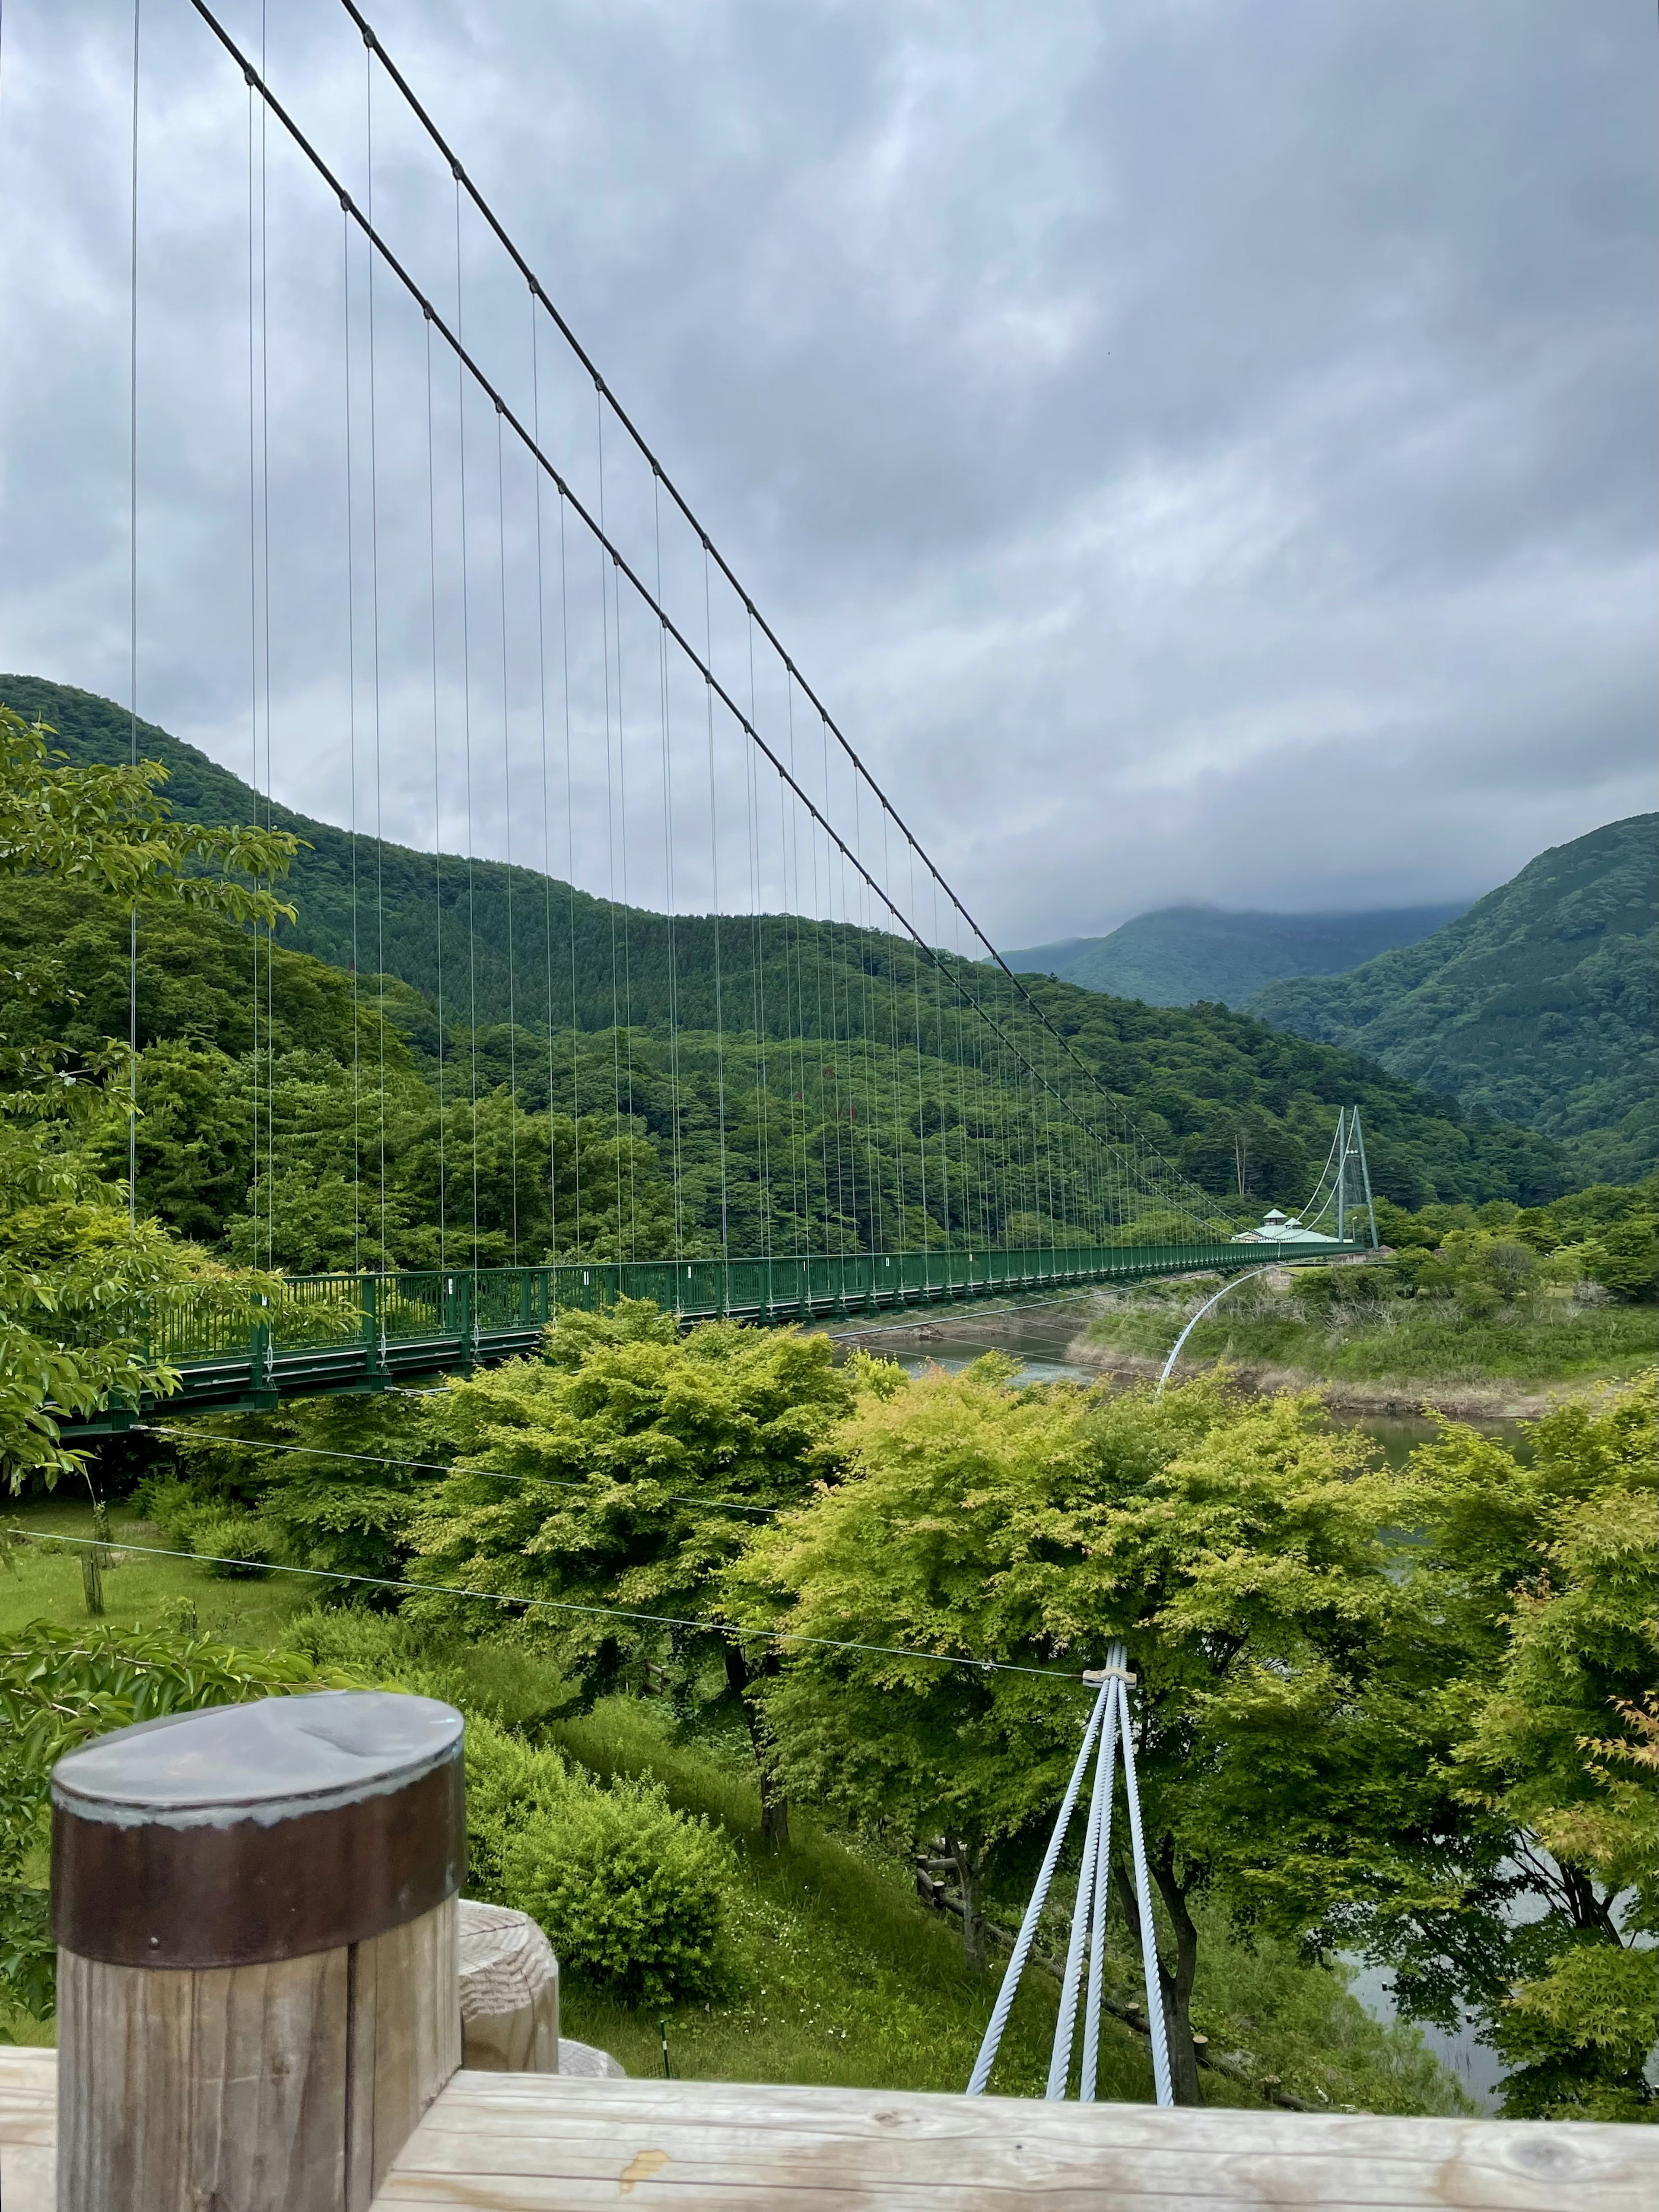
(652, 991)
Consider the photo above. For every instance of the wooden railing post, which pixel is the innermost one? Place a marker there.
(255, 1911)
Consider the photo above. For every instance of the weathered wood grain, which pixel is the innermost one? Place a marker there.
(540, 2144)
(509, 1983)
(28, 2129)
(284, 2085)
(406, 2039)
(534, 2143)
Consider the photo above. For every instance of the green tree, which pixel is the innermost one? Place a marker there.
(74, 1271)
(1545, 1568)
(1237, 1547)
(331, 1483)
(1624, 1257)
(625, 1470)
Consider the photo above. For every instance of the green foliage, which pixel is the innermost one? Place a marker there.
(1543, 1570)
(332, 1483)
(626, 1468)
(630, 1892)
(58, 1687)
(1608, 1234)
(107, 829)
(1579, 2036)
(1267, 2009)
(814, 1125)
(75, 1271)
(230, 1545)
(1538, 1006)
(1624, 1257)
(1422, 1344)
(1237, 1547)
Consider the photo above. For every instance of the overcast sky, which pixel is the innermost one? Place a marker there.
(1197, 450)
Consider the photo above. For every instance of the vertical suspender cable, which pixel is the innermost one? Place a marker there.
(789, 830)
(633, 1244)
(437, 811)
(351, 749)
(609, 816)
(265, 624)
(257, 1190)
(668, 883)
(758, 989)
(466, 731)
(570, 886)
(833, 945)
(715, 876)
(133, 635)
(921, 1096)
(794, 1005)
(383, 1258)
(506, 796)
(547, 847)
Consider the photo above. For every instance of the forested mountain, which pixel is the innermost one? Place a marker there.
(1541, 1004)
(837, 1098)
(1182, 956)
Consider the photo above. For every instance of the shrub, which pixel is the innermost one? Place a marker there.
(217, 1530)
(226, 1540)
(628, 1889)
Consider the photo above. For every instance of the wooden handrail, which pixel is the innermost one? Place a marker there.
(529, 2142)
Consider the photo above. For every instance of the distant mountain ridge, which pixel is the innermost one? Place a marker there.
(1184, 956)
(1541, 1004)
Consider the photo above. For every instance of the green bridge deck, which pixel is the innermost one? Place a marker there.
(364, 1333)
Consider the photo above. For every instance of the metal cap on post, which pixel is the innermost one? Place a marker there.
(255, 1910)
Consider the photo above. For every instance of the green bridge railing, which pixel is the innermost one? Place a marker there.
(375, 1331)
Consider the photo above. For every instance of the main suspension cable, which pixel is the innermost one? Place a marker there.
(621, 567)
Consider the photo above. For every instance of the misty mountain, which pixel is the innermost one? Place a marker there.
(1183, 955)
(1541, 1004)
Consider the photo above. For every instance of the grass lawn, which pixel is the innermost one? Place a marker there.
(138, 1592)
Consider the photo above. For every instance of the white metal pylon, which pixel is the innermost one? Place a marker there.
(1109, 1729)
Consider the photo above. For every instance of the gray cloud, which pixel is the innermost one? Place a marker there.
(1197, 450)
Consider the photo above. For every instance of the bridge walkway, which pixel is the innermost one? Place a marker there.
(362, 1332)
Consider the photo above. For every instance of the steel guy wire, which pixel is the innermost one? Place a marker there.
(432, 1467)
(727, 1628)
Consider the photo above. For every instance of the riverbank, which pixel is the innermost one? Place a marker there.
(1398, 1358)
(1472, 1401)
(1388, 1366)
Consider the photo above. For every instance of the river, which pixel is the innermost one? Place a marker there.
(1040, 1338)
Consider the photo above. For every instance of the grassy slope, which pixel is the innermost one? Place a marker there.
(838, 1976)
(1422, 1340)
